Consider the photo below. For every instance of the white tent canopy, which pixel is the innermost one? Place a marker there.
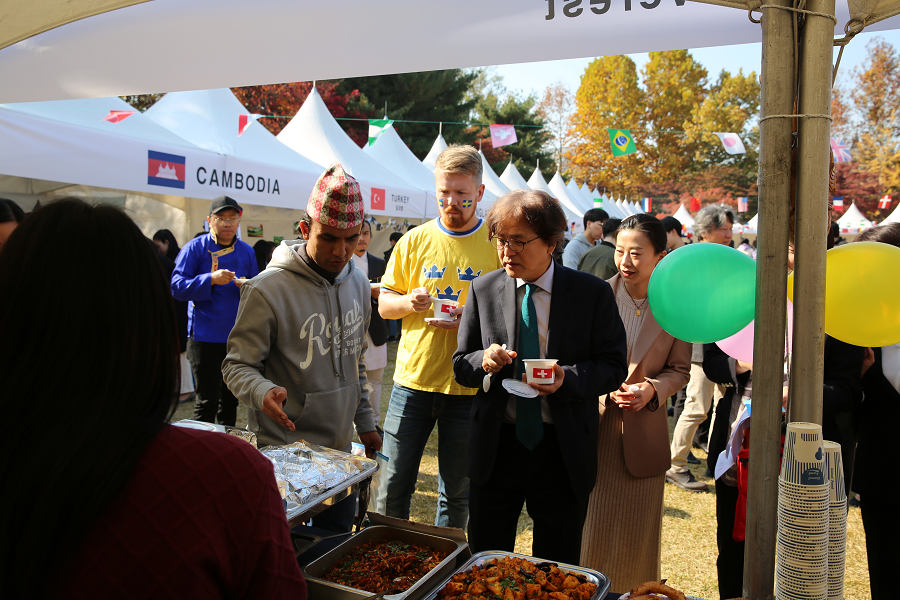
(586, 194)
(490, 180)
(512, 179)
(684, 217)
(623, 208)
(439, 146)
(559, 191)
(394, 155)
(577, 197)
(315, 134)
(894, 217)
(537, 182)
(853, 221)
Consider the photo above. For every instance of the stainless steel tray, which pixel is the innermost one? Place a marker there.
(326, 590)
(297, 515)
(596, 577)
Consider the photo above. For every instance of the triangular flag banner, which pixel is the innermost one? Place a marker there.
(841, 152)
(732, 143)
(621, 142)
(244, 122)
(837, 202)
(885, 202)
(503, 135)
(117, 116)
(376, 128)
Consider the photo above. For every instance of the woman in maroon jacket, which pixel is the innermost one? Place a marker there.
(102, 498)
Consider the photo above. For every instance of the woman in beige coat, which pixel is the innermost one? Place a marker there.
(623, 529)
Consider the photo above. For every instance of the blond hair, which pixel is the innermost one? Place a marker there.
(458, 158)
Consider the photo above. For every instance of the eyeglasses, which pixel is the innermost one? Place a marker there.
(230, 221)
(514, 245)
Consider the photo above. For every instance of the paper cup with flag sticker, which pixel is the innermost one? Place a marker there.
(443, 309)
(540, 371)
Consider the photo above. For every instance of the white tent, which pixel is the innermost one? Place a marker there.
(559, 191)
(586, 194)
(491, 182)
(853, 221)
(439, 146)
(394, 155)
(512, 179)
(577, 197)
(685, 218)
(315, 134)
(623, 208)
(894, 217)
(537, 182)
(750, 227)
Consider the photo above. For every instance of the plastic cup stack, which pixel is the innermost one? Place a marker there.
(804, 505)
(837, 525)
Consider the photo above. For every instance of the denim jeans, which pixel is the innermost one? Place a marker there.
(410, 419)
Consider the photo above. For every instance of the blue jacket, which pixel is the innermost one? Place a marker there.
(213, 308)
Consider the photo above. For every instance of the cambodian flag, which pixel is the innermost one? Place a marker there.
(647, 204)
(841, 152)
(166, 170)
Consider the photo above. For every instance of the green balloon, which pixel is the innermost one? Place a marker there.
(704, 292)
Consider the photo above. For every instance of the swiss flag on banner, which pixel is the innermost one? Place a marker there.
(503, 135)
(695, 204)
(377, 199)
(542, 373)
(446, 308)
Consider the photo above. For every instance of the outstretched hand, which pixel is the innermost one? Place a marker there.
(273, 402)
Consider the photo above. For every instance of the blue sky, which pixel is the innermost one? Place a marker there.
(535, 77)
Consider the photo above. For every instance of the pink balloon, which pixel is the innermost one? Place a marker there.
(740, 345)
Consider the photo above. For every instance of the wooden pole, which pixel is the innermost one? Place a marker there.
(777, 79)
(812, 216)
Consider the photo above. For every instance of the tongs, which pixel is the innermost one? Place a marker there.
(381, 595)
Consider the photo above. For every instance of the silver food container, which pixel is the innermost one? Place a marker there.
(596, 577)
(327, 590)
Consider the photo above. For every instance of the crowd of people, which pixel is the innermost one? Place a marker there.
(298, 334)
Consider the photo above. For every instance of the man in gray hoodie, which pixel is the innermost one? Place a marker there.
(295, 355)
(581, 243)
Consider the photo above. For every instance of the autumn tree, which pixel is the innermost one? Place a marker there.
(556, 106)
(282, 101)
(609, 97)
(674, 84)
(142, 102)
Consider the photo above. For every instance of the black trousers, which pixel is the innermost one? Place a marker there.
(879, 517)
(214, 400)
(730, 562)
(538, 480)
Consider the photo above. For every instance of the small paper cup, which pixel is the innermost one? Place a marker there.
(443, 308)
(540, 371)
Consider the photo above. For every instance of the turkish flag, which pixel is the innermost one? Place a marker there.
(377, 199)
(695, 204)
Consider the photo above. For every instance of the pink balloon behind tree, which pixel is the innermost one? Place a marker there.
(740, 345)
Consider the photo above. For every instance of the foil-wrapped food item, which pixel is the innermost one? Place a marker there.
(304, 471)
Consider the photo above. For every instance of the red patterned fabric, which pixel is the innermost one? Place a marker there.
(202, 518)
(336, 200)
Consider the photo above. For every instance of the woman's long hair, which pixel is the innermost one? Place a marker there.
(89, 349)
(164, 235)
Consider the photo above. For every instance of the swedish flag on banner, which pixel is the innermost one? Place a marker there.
(621, 142)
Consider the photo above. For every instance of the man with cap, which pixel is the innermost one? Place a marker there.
(295, 355)
(208, 273)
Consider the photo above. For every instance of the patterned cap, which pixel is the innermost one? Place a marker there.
(336, 200)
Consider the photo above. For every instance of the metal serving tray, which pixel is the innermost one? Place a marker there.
(596, 577)
(296, 516)
(327, 590)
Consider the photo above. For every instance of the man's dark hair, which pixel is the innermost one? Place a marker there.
(395, 236)
(10, 211)
(118, 381)
(164, 235)
(610, 226)
(671, 224)
(537, 208)
(649, 226)
(886, 234)
(595, 214)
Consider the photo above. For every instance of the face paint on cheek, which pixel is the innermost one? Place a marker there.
(467, 203)
(440, 202)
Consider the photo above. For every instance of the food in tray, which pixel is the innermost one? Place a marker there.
(655, 590)
(390, 567)
(512, 578)
(305, 472)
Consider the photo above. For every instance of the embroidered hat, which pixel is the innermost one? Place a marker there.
(336, 200)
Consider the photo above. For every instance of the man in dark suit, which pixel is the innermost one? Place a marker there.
(376, 354)
(541, 451)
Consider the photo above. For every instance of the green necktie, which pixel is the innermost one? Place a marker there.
(529, 425)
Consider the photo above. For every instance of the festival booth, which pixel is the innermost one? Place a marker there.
(560, 191)
(586, 193)
(685, 218)
(577, 197)
(573, 218)
(512, 179)
(439, 146)
(853, 221)
(894, 217)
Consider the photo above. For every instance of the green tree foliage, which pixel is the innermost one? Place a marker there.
(435, 96)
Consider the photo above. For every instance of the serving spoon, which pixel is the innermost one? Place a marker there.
(486, 383)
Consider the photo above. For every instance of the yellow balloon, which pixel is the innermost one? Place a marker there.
(862, 293)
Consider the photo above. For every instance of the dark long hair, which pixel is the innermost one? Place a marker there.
(164, 235)
(649, 226)
(90, 373)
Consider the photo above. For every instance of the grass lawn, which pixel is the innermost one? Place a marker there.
(689, 519)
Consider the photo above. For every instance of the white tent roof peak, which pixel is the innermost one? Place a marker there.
(575, 194)
(439, 146)
(559, 191)
(586, 194)
(490, 179)
(853, 220)
(393, 154)
(684, 216)
(512, 179)
(894, 217)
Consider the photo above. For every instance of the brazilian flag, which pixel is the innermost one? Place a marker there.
(621, 142)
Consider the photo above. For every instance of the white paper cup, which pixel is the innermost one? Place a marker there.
(835, 467)
(804, 455)
(540, 370)
(442, 309)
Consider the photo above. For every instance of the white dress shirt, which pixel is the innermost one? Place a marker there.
(890, 365)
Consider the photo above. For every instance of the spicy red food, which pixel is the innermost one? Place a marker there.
(512, 578)
(384, 566)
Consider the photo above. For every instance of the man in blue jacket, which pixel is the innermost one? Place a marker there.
(208, 272)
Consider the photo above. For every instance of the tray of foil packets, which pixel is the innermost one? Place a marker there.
(310, 478)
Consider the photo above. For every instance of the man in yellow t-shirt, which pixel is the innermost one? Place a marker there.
(439, 260)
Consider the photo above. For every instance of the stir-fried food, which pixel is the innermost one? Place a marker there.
(391, 567)
(511, 578)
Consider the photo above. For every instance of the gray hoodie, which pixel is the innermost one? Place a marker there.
(296, 330)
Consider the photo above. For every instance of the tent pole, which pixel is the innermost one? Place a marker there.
(808, 358)
(777, 78)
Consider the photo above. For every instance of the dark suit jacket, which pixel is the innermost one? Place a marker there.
(585, 334)
(377, 327)
(879, 414)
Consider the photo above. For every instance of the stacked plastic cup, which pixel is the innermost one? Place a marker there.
(804, 507)
(837, 525)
